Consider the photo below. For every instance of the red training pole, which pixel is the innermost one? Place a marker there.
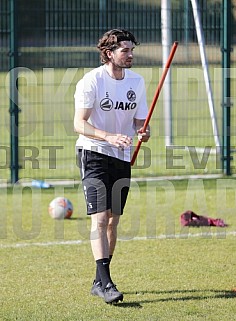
(156, 95)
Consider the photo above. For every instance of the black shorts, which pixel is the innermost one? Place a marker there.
(106, 181)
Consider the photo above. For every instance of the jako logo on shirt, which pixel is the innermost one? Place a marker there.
(125, 106)
(106, 104)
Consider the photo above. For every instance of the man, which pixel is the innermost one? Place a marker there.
(110, 107)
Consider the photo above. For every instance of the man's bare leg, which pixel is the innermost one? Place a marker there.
(112, 232)
(98, 236)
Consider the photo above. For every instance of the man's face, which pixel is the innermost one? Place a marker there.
(122, 57)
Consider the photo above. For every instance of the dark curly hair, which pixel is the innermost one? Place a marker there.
(111, 41)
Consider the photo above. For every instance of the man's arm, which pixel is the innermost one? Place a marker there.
(82, 126)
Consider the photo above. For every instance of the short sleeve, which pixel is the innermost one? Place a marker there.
(142, 110)
(85, 93)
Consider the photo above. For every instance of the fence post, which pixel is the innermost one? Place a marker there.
(102, 15)
(226, 104)
(167, 89)
(14, 110)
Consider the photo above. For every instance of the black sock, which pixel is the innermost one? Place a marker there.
(98, 278)
(104, 271)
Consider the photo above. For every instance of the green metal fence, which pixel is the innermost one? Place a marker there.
(47, 45)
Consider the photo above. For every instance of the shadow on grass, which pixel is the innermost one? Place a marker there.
(177, 295)
(135, 305)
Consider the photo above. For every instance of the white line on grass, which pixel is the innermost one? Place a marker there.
(4, 183)
(207, 235)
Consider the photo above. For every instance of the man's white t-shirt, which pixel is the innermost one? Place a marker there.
(115, 104)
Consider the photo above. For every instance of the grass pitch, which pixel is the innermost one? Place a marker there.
(165, 272)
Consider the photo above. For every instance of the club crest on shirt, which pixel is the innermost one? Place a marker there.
(106, 104)
(131, 95)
